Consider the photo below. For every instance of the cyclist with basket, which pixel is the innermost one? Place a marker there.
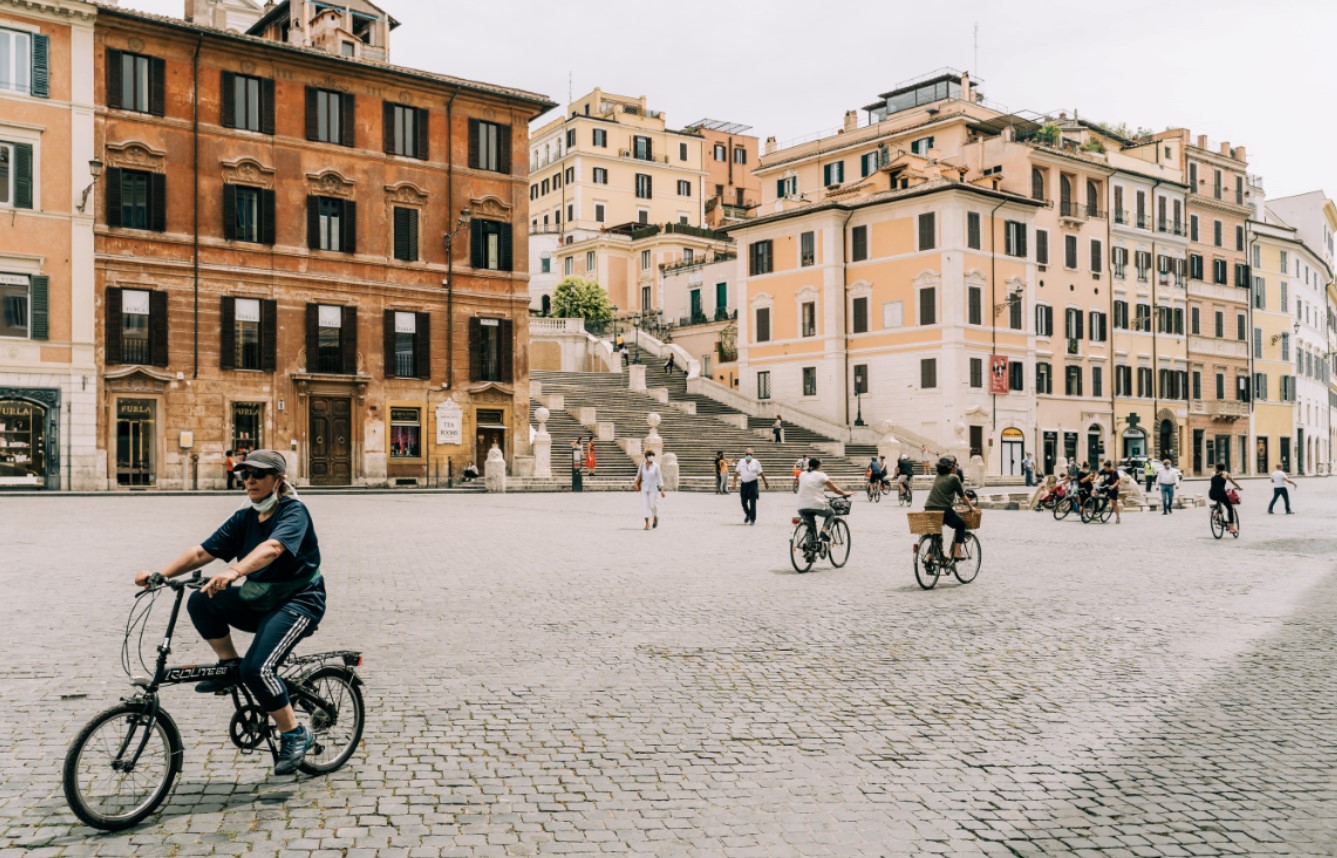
(947, 487)
(811, 498)
(1223, 496)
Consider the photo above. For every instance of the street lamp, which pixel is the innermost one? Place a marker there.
(636, 323)
(94, 170)
(1012, 298)
(858, 394)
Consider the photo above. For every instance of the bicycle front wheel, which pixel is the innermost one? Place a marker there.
(800, 554)
(972, 555)
(1236, 532)
(1062, 507)
(1218, 523)
(1088, 511)
(839, 549)
(1106, 510)
(110, 783)
(336, 721)
(928, 562)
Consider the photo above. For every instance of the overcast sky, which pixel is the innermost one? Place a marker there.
(1256, 74)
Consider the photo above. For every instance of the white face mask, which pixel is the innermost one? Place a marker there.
(268, 503)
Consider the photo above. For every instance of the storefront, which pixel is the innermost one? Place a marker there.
(136, 442)
(490, 426)
(1013, 450)
(247, 427)
(29, 438)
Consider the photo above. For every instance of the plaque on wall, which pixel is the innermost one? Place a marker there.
(449, 423)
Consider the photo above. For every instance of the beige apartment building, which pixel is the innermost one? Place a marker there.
(48, 374)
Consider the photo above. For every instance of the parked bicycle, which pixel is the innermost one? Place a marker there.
(123, 763)
(807, 545)
(931, 561)
(1071, 501)
(1097, 507)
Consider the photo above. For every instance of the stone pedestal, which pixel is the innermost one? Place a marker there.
(524, 466)
(669, 467)
(605, 431)
(652, 440)
(636, 377)
(890, 447)
(974, 471)
(542, 445)
(494, 470)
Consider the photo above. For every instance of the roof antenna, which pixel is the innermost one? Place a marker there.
(976, 67)
(569, 96)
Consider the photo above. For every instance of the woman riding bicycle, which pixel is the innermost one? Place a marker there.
(273, 543)
(1219, 494)
(811, 498)
(946, 489)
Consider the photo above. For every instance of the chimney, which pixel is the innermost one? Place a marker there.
(965, 86)
(1202, 141)
(851, 120)
(770, 146)
(1240, 154)
(1225, 148)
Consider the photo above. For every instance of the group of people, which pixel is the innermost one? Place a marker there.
(583, 455)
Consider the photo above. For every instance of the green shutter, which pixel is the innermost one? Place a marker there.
(40, 315)
(22, 175)
(41, 75)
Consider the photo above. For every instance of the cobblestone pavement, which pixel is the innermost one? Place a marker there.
(544, 677)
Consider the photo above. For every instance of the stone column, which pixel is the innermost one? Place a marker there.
(670, 471)
(494, 470)
(652, 440)
(542, 445)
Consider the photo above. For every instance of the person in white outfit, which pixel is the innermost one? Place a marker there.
(650, 483)
(812, 486)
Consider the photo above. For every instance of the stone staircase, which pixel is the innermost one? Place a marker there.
(610, 461)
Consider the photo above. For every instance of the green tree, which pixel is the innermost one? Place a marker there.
(578, 298)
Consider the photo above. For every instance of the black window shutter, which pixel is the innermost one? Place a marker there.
(227, 340)
(312, 127)
(312, 337)
(473, 143)
(41, 75)
(22, 175)
(422, 346)
(477, 241)
(475, 349)
(39, 287)
(229, 106)
(229, 214)
(504, 144)
(269, 335)
(421, 125)
(114, 79)
(158, 328)
(348, 340)
(349, 136)
(267, 106)
(388, 341)
(158, 202)
(388, 127)
(113, 196)
(504, 231)
(313, 222)
(401, 237)
(507, 350)
(157, 86)
(349, 224)
(413, 234)
(113, 332)
(266, 216)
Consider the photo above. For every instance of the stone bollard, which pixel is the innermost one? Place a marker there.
(670, 471)
(636, 377)
(652, 440)
(974, 471)
(542, 445)
(494, 470)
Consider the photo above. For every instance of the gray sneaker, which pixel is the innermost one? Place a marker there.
(292, 750)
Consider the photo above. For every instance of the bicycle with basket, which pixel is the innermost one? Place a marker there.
(930, 560)
(806, 545)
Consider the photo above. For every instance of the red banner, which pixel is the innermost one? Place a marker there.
(998, 374)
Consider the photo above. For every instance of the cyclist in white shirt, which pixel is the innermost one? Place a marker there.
(812, 486)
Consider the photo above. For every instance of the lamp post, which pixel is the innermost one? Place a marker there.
(94, 170)
(858, 394)
(636, 323)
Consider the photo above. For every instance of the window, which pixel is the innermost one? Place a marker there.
(641, 148)
(568, 266)
(1097, 255)
(739, 155)
(1098, 327)
(684, 188)
(860, 315)
(927, 231)
(599, 137)
(893, 314)
(405, 432)
(331, 224)
(589, 260)
(570, 175)
(807, 253)
(808, 319)
(1014, 238)
(928, 305)
(1142, 261)
(136, 327)
(721, 152)
(928, 373)
(921, 146)
(1037, 184)
(859, 244)
(599, 212)
(1260, 295)
(1042, 246)
(786, 187)
(23, 62)
(1097, 382)
(1260, 385)
(1015, 371)
(1193, 227)
(1239, 238)
(1283, 267)
(1285, 346)
(491, 349)
(1014, 312)
(1069, 251)
(1044, 320)
(407, 344)
(810, 381)
(760, 260)
(249, 334)
(974, 313)
(1121, 315)
(1123, 381)
(1142, 321)
(136, 199)
(23, 306)
(135, 82)
(16, 174)
(764, 385)
(1241, 275)
(1216, 232)
(976, 372)
(1144, 382)
(868, 164)
(833, 173)
(1216, 184)
(688, 254)
(1284, 304)
(248, 214)
(644, 187)
(682, 151)
(600, 176)
(1143, 222)
(1220, 324)
(1220, 386)
(329, 116)
(645, 260)
(570, 137)
(1119, 261)
(973, 240)
(248, 103)
(1120, 216)
(1194, 316)
(1092, 199)
(1073, 324)
(1195, 266)
(1219, 272)
(763, 324)
(721, 300)
(490, 245)
(489, 146)
(1044, 380)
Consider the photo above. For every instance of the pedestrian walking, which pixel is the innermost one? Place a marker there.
(777, 429)
(230, 463)
(746, 476)
(591, 463)
(721, 473)
(670, 364)
(1167, 479)
(1279, 481)
(650, 484)
(1149, 472)
(577, 461)
(1028, 468)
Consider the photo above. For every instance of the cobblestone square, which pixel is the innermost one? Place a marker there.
(543, 677)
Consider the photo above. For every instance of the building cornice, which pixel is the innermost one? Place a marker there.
(68, 9)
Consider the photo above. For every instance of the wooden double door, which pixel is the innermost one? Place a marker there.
(330, 441)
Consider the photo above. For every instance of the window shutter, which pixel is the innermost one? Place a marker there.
(349, 224)
(269, 335)
(39, 286)
(229, 106)
(388, 127)
(112, 346)
(412, 234)
(267, 106)
(229, 214)
(22, 175)
(267, 214)
(312, 127)
(476, 244)
(157, 202)
(157, 86)
(312, 337)
(348, 135)
(348, 341)
(401, 238)
(422, 346)
(507, 350)
(475, 349)
(114, 79)
(313, 222)
(113, 196)
(388, 343)
(158, 328)
(423, 143)
(473, 143)
(227, 340)
(41, 75)
(779, 187)
(504, 241)
(1042, 247)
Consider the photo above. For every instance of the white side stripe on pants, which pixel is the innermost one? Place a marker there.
(279, 653)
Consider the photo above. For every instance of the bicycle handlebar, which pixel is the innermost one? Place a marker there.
(157, 581)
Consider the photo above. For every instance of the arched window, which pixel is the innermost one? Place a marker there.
(547, 305)
(1065, 194)
(1037, 184)
(1092, 199)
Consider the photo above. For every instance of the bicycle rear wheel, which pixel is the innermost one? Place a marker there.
(338, 729)
(800, 554)
(1062, 507)
(972, 555)
(109, 783)
(1088, 510)
(1106, 510)
(839, 549)
(928, 561)
(1218, 523)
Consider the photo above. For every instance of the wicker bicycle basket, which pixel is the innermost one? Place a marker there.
(840, 506)
(930, 521)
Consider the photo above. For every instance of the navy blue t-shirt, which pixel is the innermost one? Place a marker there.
(291, 526)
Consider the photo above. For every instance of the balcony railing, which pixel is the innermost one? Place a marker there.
(1121, 215)
(649, 156)
(1143, 221)
(1093, 212)
(1171, 226)
(1069, 210)
(135, 350)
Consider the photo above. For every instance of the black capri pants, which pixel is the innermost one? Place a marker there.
(954, 521)
(276, 633)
